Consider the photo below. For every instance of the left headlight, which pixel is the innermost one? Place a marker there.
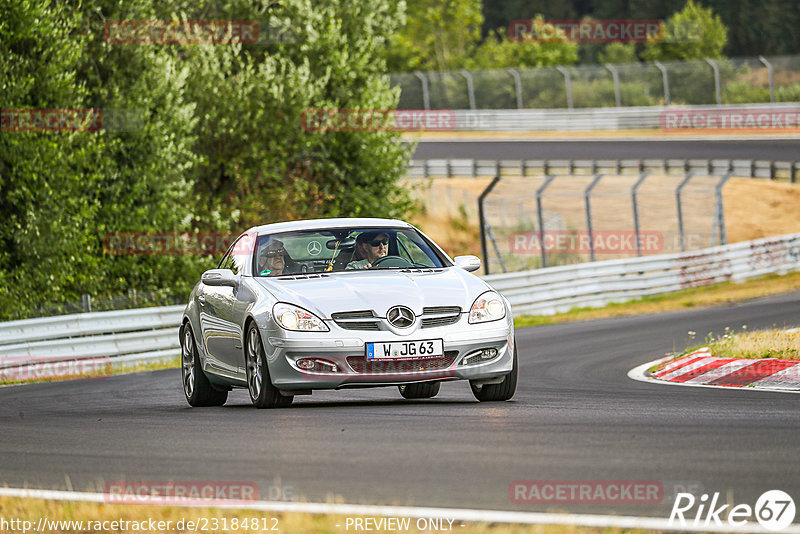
(488, 307)
(296, 318)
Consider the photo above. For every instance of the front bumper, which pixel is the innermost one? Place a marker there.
(346, 350)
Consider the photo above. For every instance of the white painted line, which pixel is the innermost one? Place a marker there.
(474, 136)
(455, 514)
(639, 373)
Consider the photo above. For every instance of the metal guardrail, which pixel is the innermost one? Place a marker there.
(450, 168)
(150, 334)
(123, 336)
(559, 289)
(597, 119)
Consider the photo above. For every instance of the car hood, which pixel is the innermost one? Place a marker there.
(378, 291)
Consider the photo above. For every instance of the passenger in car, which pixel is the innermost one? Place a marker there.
(272, 259)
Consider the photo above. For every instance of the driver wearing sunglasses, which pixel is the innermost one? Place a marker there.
(369, 247)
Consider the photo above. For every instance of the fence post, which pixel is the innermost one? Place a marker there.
(640, 181)
(795, 167)
(470, 87)
(665, 79)
(719, 213)
(586, 198)
(540, 217)
(426, 97)
(615, 77)
(517, 85)
(717, 89)
(482, 222)
(685, 181)
(567, 84)
(767, 64)
(86, 302)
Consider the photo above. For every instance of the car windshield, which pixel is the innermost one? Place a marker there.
(346, 249)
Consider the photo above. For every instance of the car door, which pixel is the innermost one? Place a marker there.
(222, 334)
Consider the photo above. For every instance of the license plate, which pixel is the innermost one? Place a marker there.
(399, 350)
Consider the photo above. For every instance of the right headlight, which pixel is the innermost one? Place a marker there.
(488, 307)
(296, 318)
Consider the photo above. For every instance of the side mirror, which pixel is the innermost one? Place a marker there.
(219, 277)
(468, 263)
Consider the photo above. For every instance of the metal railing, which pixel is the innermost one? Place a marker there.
(696, 82)
(559, 289)
(772, 118)
(121, 337)
(749, 168)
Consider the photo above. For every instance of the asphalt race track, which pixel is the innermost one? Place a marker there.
(761, 149)
(576, 416)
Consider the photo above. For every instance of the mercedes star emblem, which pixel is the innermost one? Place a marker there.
(400, 316)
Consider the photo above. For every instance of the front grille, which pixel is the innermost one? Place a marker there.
(430, 322)
(354, 320)
(442, 316)
(358, 325)
(361, 365)
(440, 310)
(362, 314)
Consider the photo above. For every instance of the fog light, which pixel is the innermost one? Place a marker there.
(480, 356)
(488, 354)
(316, 364)
(306, 364)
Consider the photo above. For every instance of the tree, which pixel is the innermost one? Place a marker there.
(45, 236)
(498, 51)
(435, 35)
(258, 163)
(693, 33)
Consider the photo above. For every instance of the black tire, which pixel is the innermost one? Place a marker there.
(262, 393)
(197, 389)
(498, 392)
(424, 390)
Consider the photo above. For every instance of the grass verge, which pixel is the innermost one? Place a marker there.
(139, 517)
(697, 297)
(775, 343)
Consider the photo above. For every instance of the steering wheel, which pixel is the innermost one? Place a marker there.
(391, 261)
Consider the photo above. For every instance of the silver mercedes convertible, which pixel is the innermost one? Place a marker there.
(343, 303)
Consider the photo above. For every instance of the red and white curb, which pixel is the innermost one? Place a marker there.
(700, 368)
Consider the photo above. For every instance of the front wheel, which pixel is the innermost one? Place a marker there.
(425, 390)
(498, 392)
(196, 386)
(262, 393)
